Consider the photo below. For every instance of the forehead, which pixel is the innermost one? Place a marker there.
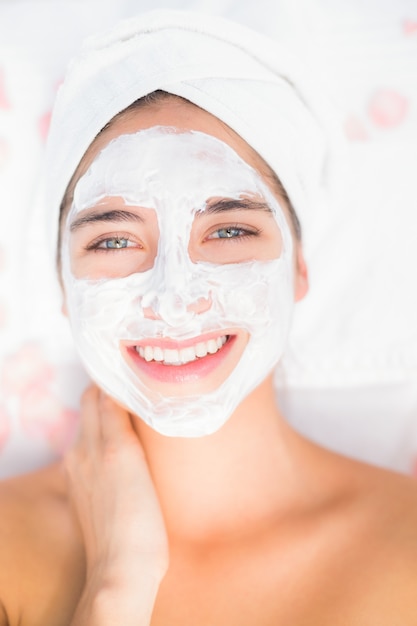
(155, 166)
(183, 116)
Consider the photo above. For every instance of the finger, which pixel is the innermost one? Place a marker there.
(89, 427)
(115, 422)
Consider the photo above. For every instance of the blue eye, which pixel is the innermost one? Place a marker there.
(111, 244)
(228, 233)
(115, 243)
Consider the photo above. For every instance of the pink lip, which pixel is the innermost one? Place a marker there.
(189, 372)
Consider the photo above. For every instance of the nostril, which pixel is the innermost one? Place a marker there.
(150, 314)
(201, 305)
(162, 305)
(171, 307)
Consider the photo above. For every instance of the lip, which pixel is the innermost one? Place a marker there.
(188, 373)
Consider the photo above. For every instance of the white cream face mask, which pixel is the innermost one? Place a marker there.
(183, 342)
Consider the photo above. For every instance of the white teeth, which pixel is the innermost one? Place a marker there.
(158, 354)
(171, 356)
(185, 355)
(212, 346)
(201, 349)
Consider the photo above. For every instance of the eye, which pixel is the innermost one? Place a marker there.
(232, 232)
(112, 243)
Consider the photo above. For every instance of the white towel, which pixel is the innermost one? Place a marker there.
(248, 81)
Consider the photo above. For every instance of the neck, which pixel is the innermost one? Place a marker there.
(233, 481)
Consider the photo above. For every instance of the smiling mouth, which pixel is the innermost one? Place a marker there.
(182, 356)
(181, 365)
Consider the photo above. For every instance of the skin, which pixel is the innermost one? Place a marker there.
(253, 525)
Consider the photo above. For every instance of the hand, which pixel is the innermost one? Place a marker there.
(114, 498)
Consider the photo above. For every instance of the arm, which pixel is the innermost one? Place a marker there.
(118, 511)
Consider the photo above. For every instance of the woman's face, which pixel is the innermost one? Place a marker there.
(174, 245)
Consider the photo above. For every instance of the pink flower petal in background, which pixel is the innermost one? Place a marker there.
(5, 152)
(410, 27)
(42, 415)
(388, 108)
(4, 426)
(24, 369)
(45, 119)
(354, 129)
(44, 122)
(4, 100)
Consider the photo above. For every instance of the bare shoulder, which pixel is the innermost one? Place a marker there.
(382, 563)
(389, 501)
(39, 547)
(29, 504)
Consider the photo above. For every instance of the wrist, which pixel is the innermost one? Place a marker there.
(115, 605)
(113, 597)
(122, 578)
(120, 572)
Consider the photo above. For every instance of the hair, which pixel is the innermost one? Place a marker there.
(154, 99)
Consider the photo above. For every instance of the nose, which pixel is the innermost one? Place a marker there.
(178, 292)
(174, 302)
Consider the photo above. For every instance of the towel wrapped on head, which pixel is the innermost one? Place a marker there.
(249, 82)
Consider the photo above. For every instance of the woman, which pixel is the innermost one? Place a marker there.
(187, 499)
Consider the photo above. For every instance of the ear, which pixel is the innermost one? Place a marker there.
(301, 275)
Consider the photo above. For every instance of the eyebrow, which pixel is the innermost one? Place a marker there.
(113, 215)
(218, 206)
(231, 204)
